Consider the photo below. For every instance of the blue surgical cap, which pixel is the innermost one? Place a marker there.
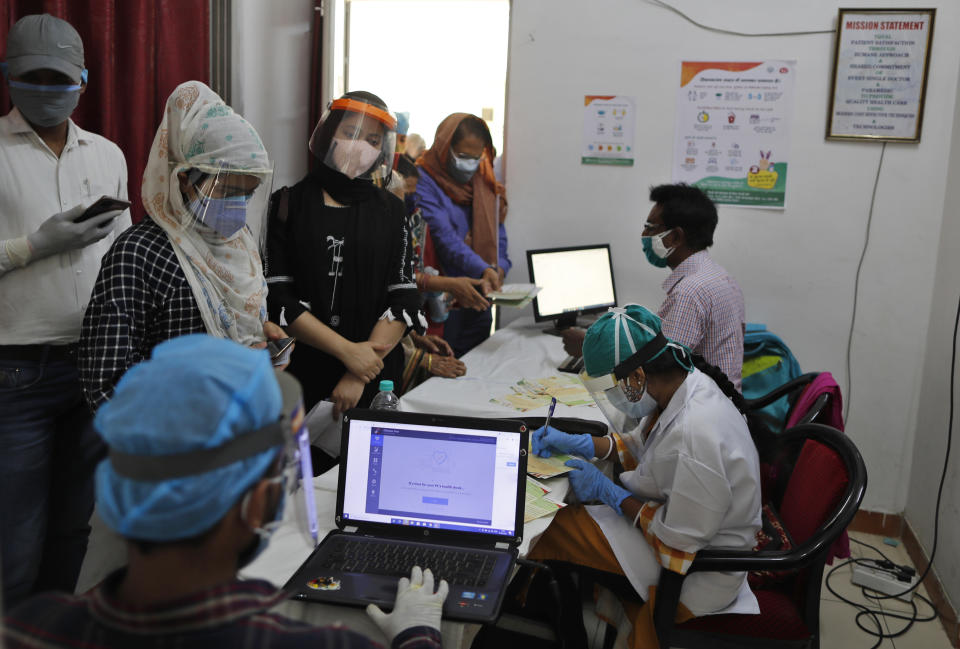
(403, 123)
(196, 392)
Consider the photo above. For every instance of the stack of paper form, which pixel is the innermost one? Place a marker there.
(514, 295)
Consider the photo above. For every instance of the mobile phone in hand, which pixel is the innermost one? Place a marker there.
(103, 204)
(280, 350)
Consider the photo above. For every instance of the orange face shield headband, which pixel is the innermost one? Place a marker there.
(355, 106)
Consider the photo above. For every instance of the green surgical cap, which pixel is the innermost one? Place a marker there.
(635, 322)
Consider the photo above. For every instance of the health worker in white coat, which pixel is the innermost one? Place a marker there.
(691, 478)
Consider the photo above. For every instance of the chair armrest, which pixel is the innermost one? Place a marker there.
(665, 608)
(783, 390)
(810, 415)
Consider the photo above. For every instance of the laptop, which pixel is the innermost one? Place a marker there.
(442, 492)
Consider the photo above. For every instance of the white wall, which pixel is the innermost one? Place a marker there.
(933, 416)
(796, 267)
(271, 67)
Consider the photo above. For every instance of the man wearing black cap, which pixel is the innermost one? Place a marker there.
(50, 172)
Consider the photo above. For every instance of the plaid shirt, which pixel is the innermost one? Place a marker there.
(141, 298)
(704, 310)
(231, 615)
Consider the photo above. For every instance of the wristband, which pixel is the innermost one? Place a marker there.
(609, 438)
(637, 517)
(19, 251)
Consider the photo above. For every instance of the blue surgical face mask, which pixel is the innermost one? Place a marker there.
(224, 215)
(462, 169)
(44, 105)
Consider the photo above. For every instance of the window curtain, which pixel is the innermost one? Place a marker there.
(137, 52)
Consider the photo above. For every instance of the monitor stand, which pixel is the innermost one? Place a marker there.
(565, 321)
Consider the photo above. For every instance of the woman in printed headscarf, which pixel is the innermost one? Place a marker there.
(193, 265)
(465, 207)
(339, 259)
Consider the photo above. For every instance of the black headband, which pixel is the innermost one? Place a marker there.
(644, 354)
(157, 468)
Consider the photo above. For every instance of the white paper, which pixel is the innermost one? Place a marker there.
(324, 430)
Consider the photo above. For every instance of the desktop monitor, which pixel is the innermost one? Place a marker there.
(574, 281)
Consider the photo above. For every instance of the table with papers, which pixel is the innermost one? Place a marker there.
(517, 351)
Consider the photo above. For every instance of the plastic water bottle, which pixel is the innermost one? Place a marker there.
(437, 306)
(386, 399)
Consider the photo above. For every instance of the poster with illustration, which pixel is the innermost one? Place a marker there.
(607, 130)
(733, 130)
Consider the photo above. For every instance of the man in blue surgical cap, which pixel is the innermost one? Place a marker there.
(200, 458)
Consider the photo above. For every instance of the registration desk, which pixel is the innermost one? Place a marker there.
(520, 350)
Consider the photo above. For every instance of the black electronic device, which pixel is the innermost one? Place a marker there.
(574, 281)
(439, 491)
(102, 204)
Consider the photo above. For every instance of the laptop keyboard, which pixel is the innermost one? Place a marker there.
(393, 559)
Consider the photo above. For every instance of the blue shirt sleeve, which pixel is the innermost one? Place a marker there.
(504, 258)
(444, 217)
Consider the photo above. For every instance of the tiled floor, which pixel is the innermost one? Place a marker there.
(837, 619)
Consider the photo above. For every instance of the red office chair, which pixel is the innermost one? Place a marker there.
(821, 482)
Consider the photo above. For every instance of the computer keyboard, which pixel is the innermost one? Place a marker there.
(395, 559)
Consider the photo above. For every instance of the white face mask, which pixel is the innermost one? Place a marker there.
(353, 157)
(660, 250)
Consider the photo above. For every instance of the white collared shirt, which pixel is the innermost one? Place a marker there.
(44, 301)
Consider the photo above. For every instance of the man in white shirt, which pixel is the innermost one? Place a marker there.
(50, 172)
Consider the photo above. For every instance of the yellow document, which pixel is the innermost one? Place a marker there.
(536, 503)
(547, 467)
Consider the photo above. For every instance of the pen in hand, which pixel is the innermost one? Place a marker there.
(553, 406)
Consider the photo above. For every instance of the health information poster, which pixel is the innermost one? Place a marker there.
(733, 130)
(607, 130)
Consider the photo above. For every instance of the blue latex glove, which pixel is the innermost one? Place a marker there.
(590, 484)
(547, 439)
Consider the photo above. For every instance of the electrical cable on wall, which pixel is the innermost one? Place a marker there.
(856, 286)
(664, 5)
(894, 569)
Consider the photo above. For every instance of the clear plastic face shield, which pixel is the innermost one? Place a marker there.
(357, 139)
(219, 200)
(614, 393)
(295, 468)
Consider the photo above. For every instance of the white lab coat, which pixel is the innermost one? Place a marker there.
(700, 459)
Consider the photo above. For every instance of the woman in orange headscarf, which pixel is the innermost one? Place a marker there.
(465, 208)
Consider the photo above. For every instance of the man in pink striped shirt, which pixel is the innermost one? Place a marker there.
(704, 307)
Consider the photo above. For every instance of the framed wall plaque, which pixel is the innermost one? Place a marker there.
(881, 64)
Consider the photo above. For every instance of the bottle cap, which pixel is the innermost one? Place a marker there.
(386, 386)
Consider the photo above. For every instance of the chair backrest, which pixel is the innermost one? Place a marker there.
(816, 486)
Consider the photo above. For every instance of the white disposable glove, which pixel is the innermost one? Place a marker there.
(416, 605)
(59, 233)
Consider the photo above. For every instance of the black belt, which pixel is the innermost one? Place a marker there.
(39, 353)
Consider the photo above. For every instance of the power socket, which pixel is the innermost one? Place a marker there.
(881, 580)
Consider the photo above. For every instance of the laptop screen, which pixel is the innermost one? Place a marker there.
(462, 479)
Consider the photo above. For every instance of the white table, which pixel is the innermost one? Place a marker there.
(517, 351)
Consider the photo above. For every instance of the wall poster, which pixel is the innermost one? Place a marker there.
(880, 68)
(607, 130)
(733, 130)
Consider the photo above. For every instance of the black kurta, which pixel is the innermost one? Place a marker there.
(348, 266)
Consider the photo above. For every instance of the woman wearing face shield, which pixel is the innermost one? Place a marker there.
(340, 264)
(192, 266)
(465, 208)
(691, 478)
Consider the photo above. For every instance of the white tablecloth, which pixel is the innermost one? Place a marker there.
(517, 351)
